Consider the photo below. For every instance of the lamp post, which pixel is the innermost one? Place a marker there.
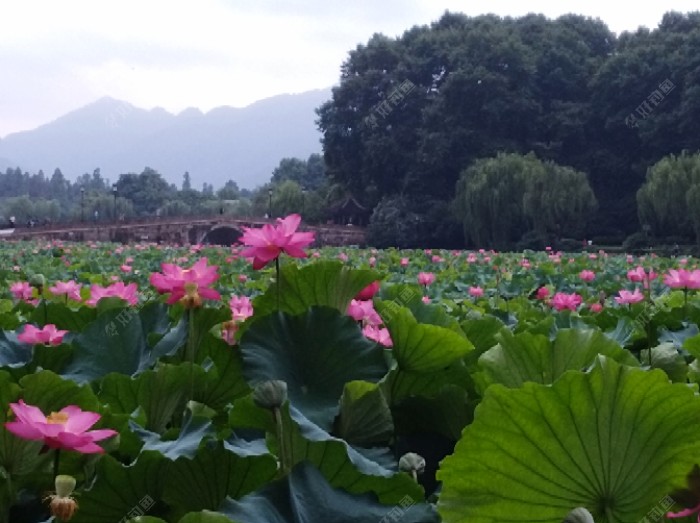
(82, 204)
(269, 207)
(114, 192)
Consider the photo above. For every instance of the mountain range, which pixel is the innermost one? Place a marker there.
(241, 144)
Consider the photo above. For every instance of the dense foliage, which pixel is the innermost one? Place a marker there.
(412, 112)
(355, 385)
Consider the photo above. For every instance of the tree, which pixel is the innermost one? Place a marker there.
(309, 174)
(186, 182)
(501, 199)
(667, 202)
(147, 191)
(229, 191)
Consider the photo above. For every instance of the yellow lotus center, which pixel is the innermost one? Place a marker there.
(57, 418)
(191, 289)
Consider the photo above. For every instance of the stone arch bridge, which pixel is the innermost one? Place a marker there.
(220, 230)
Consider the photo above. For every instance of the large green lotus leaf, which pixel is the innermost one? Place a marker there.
(192, 433)
(62, 316)
(523, 357)
(204, 480)
(13, 354)
(365, 418)
(316, 353)
(114, 342)
(344, 466)
(224, 380)
(481, 332)
(121, 491)
(422, 347)
(160, 392)
(50, 392)
(398, 384)
(667, 358)
(327, 283)
(410, 296)
(305, 496)
(614, 440)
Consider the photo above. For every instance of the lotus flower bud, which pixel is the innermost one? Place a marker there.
(412, 462)
(270, 394)
(38, 281)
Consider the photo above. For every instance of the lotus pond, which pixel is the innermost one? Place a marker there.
(179, 384)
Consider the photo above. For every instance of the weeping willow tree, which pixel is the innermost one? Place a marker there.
(500, 199)
(668, 201)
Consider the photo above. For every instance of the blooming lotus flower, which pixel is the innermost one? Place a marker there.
(683, 279)
(343, 257)
(69, 288)
(426, 278)
(404, 262)
(380, 335)
(562, 301)
(368, 292)
(476, 292)
(268, 242)
(587, 275)
(65, 429)
(625, 297)
(364, 311)
(425, 299)
(22, 290)
(241, 308)
(48, 335)
(190, 285)
(125, 268)
(128, 293)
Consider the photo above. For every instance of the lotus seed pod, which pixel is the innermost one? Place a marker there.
(579, 515)
(412, 462)
(64, 485)
(270, 394)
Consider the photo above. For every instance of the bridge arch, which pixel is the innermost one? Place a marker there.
(220, 235)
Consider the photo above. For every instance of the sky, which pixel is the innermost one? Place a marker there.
(57, 56)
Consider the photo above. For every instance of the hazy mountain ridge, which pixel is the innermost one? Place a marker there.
(243, 144)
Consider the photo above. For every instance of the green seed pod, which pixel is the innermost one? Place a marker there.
(38, 281)
(64, 485)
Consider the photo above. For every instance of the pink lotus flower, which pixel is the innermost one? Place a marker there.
(596, 307)
(587, 275)
(69, 288)
(685, 513)
(241, 308)
(542, 293)
(425, 299)
(364, 311)
(343, 257)
(47, 335)
(476, 292)
(242, 278)
(380, 335)
(562, 301)
(625, 297)
(368, 292)
(194, 283)
(125, 268)
(66, 429)
(22, 290)
(404, 262)
(128, 293)
(372, 261)
(268, 242)
(426, 278)
(683, 279)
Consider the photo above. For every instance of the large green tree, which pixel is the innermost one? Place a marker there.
(501, 199)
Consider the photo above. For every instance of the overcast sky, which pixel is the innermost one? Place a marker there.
(58, 55)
